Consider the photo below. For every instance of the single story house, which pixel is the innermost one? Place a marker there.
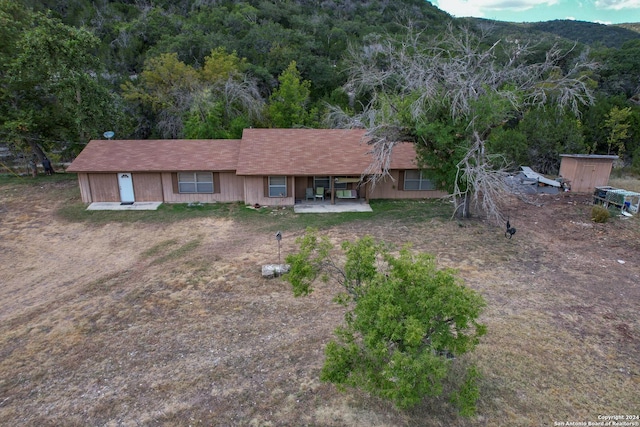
(265, 167)
(585, 172)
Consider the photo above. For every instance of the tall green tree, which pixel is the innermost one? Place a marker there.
(538, 139)
(617, 125)
(289, 102)
(215, 101)
(230, 100)
(405, 321)
(220, 66)
(53, 95)
(164, 91)
(592, 118)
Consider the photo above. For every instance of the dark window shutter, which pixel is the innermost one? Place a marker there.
(401, 181)
(216, 182)
(174, 182)
(265, 180)
(289, 185)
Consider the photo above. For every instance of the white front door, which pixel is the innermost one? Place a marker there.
(125, 182)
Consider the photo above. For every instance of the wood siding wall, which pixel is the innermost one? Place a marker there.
(147, 187)
(585, 173)
(156, 187)
(85, 188)
(104, 187)
(231, 190)
(389, 189)
(254, 192)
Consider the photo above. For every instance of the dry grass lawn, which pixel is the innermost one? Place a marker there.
(123, 324)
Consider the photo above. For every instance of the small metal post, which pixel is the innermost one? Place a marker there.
(278, 238)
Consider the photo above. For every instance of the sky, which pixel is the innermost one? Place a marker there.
(600, 11)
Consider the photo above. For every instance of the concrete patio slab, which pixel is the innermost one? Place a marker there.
(326, 207)
(116, 206)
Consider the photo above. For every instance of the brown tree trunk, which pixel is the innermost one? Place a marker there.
(37, 150)
(463, 207)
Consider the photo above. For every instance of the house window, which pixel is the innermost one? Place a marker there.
(321, 181)
(277, 186)
(415, 180)
(195, 182)
(339, 185)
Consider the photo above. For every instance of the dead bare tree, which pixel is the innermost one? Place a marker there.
(241, 95)
(478, 85)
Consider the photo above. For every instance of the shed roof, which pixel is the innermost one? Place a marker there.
(312, 152)
(156, 155)
(590, 156)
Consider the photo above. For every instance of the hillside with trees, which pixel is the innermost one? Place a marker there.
(207, 69)
(588, 33)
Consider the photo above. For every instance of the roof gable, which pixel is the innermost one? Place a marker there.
(332, 152)
(303, 152)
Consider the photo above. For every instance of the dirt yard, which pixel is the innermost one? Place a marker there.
(126, 324)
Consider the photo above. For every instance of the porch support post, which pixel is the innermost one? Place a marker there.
(333, 191)
(366, 192)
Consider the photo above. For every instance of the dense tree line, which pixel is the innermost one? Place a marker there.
(209, 68)
(589, 33)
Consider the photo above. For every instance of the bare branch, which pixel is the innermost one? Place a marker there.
(243, 96)
(486, 185)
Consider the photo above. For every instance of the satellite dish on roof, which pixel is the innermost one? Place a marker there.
(109, 134)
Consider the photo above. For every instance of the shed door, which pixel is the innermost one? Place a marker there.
(125, 182)
(588, 178)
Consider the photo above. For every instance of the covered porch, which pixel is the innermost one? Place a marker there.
(332, 189)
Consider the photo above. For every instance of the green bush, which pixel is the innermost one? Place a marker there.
(599, 214)
(635, 162)
(406, 321)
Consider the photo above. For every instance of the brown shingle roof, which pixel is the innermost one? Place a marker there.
(157, 155)
(303, 152)
(311, 152)
(260, 152)
(403, 156)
